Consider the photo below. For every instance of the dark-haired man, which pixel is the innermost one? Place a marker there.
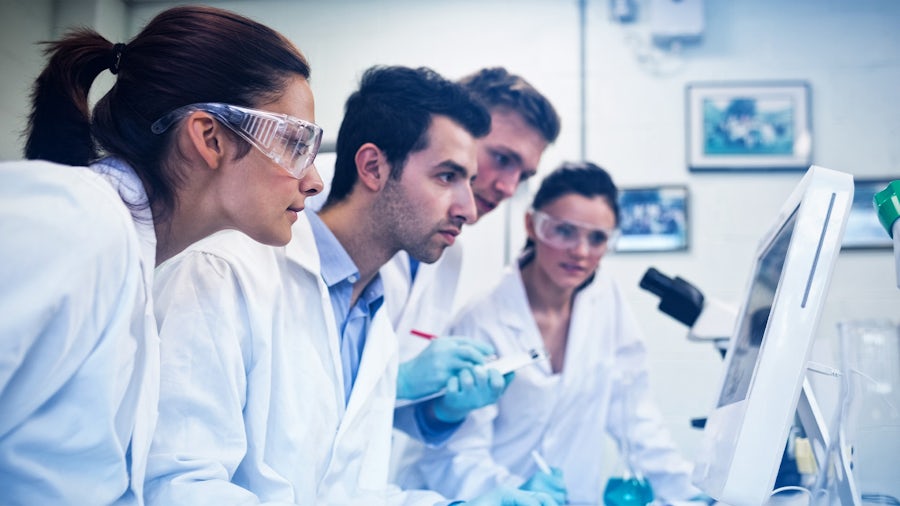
(423, 297)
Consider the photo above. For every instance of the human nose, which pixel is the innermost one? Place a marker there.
(311, 183)
(464, 209)
(507, 182)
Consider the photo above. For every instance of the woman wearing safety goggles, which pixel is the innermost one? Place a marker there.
(557, 298)
(209, 126)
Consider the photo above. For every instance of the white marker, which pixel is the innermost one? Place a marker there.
(541, 463)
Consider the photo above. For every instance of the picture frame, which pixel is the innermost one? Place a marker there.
(653, 219)
(747, 126)
(863, 230)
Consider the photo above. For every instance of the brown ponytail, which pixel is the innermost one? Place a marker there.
(59, 128)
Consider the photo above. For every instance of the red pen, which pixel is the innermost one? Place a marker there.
(423, 335)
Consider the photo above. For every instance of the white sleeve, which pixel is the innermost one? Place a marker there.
(463, 468)
(635, 421)
(71, 286)
(204, 334)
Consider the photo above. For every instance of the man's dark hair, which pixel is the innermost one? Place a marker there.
(393, 109)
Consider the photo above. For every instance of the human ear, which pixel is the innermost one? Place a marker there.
(371, 167)
(206, 137)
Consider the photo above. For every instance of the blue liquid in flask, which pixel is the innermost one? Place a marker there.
(629, 491)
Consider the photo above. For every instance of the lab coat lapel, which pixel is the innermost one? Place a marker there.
(381, 345)
(582, 334)
(303, 252)
(515, 315)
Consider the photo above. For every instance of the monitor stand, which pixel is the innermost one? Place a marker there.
(835, 468)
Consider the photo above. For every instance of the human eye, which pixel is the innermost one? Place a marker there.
(447, 177)
(565, 230)
(502, 160)
(297, 145)
(597, 238)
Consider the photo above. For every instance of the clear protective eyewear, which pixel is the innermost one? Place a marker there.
(562, 234)
(290, 142)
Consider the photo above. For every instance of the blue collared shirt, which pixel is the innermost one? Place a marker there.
(353, 323)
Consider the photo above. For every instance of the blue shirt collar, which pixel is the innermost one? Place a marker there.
(336, 264)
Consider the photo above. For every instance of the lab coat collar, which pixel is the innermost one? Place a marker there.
(517, 300)
(381, 343)
(122, 177)
(516, 304)
(302, 247)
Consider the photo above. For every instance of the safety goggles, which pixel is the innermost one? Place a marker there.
(562, 234)
(290, 142)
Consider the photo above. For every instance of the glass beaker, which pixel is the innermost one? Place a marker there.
(870, 408)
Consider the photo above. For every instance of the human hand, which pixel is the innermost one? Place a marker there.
(504, 496)
(550, 484)
(470, 389)
(702, 498)
(444, 358)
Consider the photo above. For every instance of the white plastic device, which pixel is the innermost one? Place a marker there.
(745, 434)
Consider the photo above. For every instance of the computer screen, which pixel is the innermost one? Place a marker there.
(746, 432)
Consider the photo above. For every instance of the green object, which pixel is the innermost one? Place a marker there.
(887, 205)
(630, 491)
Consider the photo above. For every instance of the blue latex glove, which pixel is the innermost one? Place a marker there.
(470, 389)
(443, 359)
(504, 496)
(550, 484)
(703, 498)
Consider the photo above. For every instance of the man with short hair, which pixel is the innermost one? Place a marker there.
(423, 297)
(523, 124)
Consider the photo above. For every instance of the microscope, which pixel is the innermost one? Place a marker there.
(712, 321)
(707, 319)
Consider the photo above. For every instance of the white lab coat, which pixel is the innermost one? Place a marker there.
(563, 416)
(76, 349)
(252, 400)
(426, 304)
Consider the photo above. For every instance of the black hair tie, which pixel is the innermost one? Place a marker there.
(118, 48)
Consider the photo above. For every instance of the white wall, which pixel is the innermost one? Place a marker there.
(849, 52)
(22, 23)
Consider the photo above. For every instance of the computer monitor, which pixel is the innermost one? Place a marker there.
(745, 434)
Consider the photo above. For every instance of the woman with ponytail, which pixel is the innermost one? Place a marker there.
(209, 126)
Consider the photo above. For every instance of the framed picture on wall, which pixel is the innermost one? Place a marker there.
(653, 219)
(864, 231)
(748, 126)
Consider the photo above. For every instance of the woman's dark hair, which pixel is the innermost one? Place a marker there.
(393, 109)
(581, 178)
(184, 55)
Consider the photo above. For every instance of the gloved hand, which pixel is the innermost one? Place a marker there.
(550, 484)
(470, 389)
(702, 498)
(444, 358)
(504, 496)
